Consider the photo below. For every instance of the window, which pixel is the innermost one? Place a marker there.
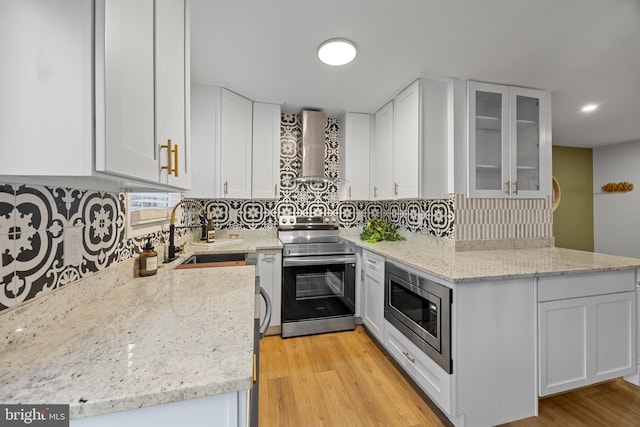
(148, 212)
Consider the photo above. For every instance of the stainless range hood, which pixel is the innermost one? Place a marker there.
(313, 147)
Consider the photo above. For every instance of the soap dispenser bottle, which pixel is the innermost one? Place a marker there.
(148, 262)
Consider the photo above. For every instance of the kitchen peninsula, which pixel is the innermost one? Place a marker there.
(525, 323)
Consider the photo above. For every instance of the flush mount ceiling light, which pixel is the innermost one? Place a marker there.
(589, 108)
(337, 51)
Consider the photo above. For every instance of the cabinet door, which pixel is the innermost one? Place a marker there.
(356, 142)
(270, 272)
(46, 101)
(488, 140)
(235, 146)
(564, 345)
(407, 143)
(373, 294)
(172, 91)
(125, 140)
(530, 143)
(615, 340)
(205, 122)
(382, 155)
(266, 151)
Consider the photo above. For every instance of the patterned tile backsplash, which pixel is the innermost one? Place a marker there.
(32, 222)
(33, 218)
(429, 216)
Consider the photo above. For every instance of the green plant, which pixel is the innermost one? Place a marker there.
(377, 229)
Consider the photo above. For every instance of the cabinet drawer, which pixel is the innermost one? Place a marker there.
(425, 372)
(373, 262)
(583, 285)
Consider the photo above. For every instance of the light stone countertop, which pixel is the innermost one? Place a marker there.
(131, 342)
(427, 254)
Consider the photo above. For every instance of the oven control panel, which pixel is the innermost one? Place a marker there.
(307, 222)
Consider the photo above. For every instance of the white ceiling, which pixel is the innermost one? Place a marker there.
(581, 50)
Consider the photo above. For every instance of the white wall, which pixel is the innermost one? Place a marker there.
(616, 216)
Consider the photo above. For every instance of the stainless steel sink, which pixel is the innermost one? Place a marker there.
(227, 259)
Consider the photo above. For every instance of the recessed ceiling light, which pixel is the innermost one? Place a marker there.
(337, 51)
(589, 108)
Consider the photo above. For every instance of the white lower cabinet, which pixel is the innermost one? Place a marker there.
(494, 352)
(220, 410)
(586, 329)
(373, 293)
(270, 272)
(635, 378)
(424, 371)
(586, 340)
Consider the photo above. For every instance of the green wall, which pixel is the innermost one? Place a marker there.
(573, 220)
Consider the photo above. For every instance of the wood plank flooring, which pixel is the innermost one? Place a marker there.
(345, 379)
(338, 379)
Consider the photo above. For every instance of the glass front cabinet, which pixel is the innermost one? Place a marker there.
(509, 141)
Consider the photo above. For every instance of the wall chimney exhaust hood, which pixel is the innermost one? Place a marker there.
(313, 147)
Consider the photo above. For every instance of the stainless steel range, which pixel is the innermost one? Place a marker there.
(318, 276)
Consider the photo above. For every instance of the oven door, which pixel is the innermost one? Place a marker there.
(318, 287)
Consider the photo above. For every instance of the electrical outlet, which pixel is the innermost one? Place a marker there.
(72, 246)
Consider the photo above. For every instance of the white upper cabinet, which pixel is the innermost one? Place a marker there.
(236, 132)
(46, 107)
(356, 140)
(173, 104)
(145, 79)
(127, 138)
(509, 141)
(266, 151)
(413, 149)
(54, 99)
(235, 145)
(406, 142)
(382, 154)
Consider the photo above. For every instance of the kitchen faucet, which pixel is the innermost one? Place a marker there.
(172, 228)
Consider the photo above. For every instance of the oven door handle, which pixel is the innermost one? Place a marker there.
(317, 260)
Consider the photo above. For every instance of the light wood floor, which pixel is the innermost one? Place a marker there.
(339, 379)
(345, 379)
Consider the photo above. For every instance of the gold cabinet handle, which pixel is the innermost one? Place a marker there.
(275, 190)
(226, 188)
(395, 188)
(375, 192)
(362, 275)
(349, 192)
(255, 370)
(172, 157)
(409, 358)
(516, 185)
(175, 160)
(508, 183)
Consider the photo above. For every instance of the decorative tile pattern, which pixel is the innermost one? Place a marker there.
(496, 219)
(306, 198)
(33, 219)
(32, 224)
(429, 216)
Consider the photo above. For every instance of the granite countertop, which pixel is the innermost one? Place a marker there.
(134, 342)
(422, 252)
